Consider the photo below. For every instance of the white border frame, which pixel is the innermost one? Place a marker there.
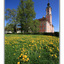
(61, 31)
(1, 31)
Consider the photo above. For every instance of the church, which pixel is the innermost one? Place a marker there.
(46, 22)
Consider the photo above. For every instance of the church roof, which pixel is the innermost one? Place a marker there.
(42, 19)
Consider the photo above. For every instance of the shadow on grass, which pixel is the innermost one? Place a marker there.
(51, 34)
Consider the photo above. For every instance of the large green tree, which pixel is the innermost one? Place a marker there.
(25, 14)
(34, 26)
(9, 27)
(11, 17)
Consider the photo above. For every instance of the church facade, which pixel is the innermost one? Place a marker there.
(46, 22)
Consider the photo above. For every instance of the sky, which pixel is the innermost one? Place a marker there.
(40, 9)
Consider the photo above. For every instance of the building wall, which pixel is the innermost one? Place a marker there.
(49, 27)
(49, 18)
(48, 10)
(8, 32)
(18, 31)
(42, 26)
(52, 29)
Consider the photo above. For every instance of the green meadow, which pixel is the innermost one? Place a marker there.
(31, 49)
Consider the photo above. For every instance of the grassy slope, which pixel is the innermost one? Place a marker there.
(40, 49)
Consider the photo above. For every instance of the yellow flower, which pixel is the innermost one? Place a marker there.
(24, 56)
(27, 59)
(25, 53)
(52, 55)
(53, 48)
(21, 54)
(50, 50)
(39, 56)
(55, 55)
(18, 62)
(32, 41)
(51, 43)
(14, 53)
(29, 45)
(35, 44)
(57, 48)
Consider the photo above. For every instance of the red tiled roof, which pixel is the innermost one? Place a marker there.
(42, 19)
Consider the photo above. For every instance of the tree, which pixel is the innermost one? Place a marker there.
(35, 26)
(25, 14)
(9, 27)
(10, 16)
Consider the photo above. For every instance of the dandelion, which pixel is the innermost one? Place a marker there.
(21, 54)
(25, 53)
(55, 56)
(18, 62)
(24, 56)
(39, 56)
(52, 55)
(29, 45)
(32, 41)
(27, 59)
(50, 50)
(14, 53)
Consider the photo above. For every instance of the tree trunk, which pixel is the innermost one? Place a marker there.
(15, 28)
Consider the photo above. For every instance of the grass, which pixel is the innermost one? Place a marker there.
(31, 49)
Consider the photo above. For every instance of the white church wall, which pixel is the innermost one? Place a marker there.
(48, 27)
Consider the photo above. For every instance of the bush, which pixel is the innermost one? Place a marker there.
(40, 33)
(56, 34)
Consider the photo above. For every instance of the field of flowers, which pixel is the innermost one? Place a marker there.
(31, 49)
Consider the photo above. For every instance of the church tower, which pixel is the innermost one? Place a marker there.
(48, 13)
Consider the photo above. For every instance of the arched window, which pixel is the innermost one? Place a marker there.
(41, 28)
(44, 24)
(47, 12)
(44, 27)
(41, 24)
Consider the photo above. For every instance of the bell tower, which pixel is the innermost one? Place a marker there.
(48, 13)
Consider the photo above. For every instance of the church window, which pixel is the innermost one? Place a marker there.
(44, 28)
(44, 24)
(47, 12)
(41, 28)
(41, 24)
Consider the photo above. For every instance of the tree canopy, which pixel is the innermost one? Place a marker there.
(24, 15)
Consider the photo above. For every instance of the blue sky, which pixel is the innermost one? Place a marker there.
(40, 9)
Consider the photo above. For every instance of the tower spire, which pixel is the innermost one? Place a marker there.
(48, 3)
